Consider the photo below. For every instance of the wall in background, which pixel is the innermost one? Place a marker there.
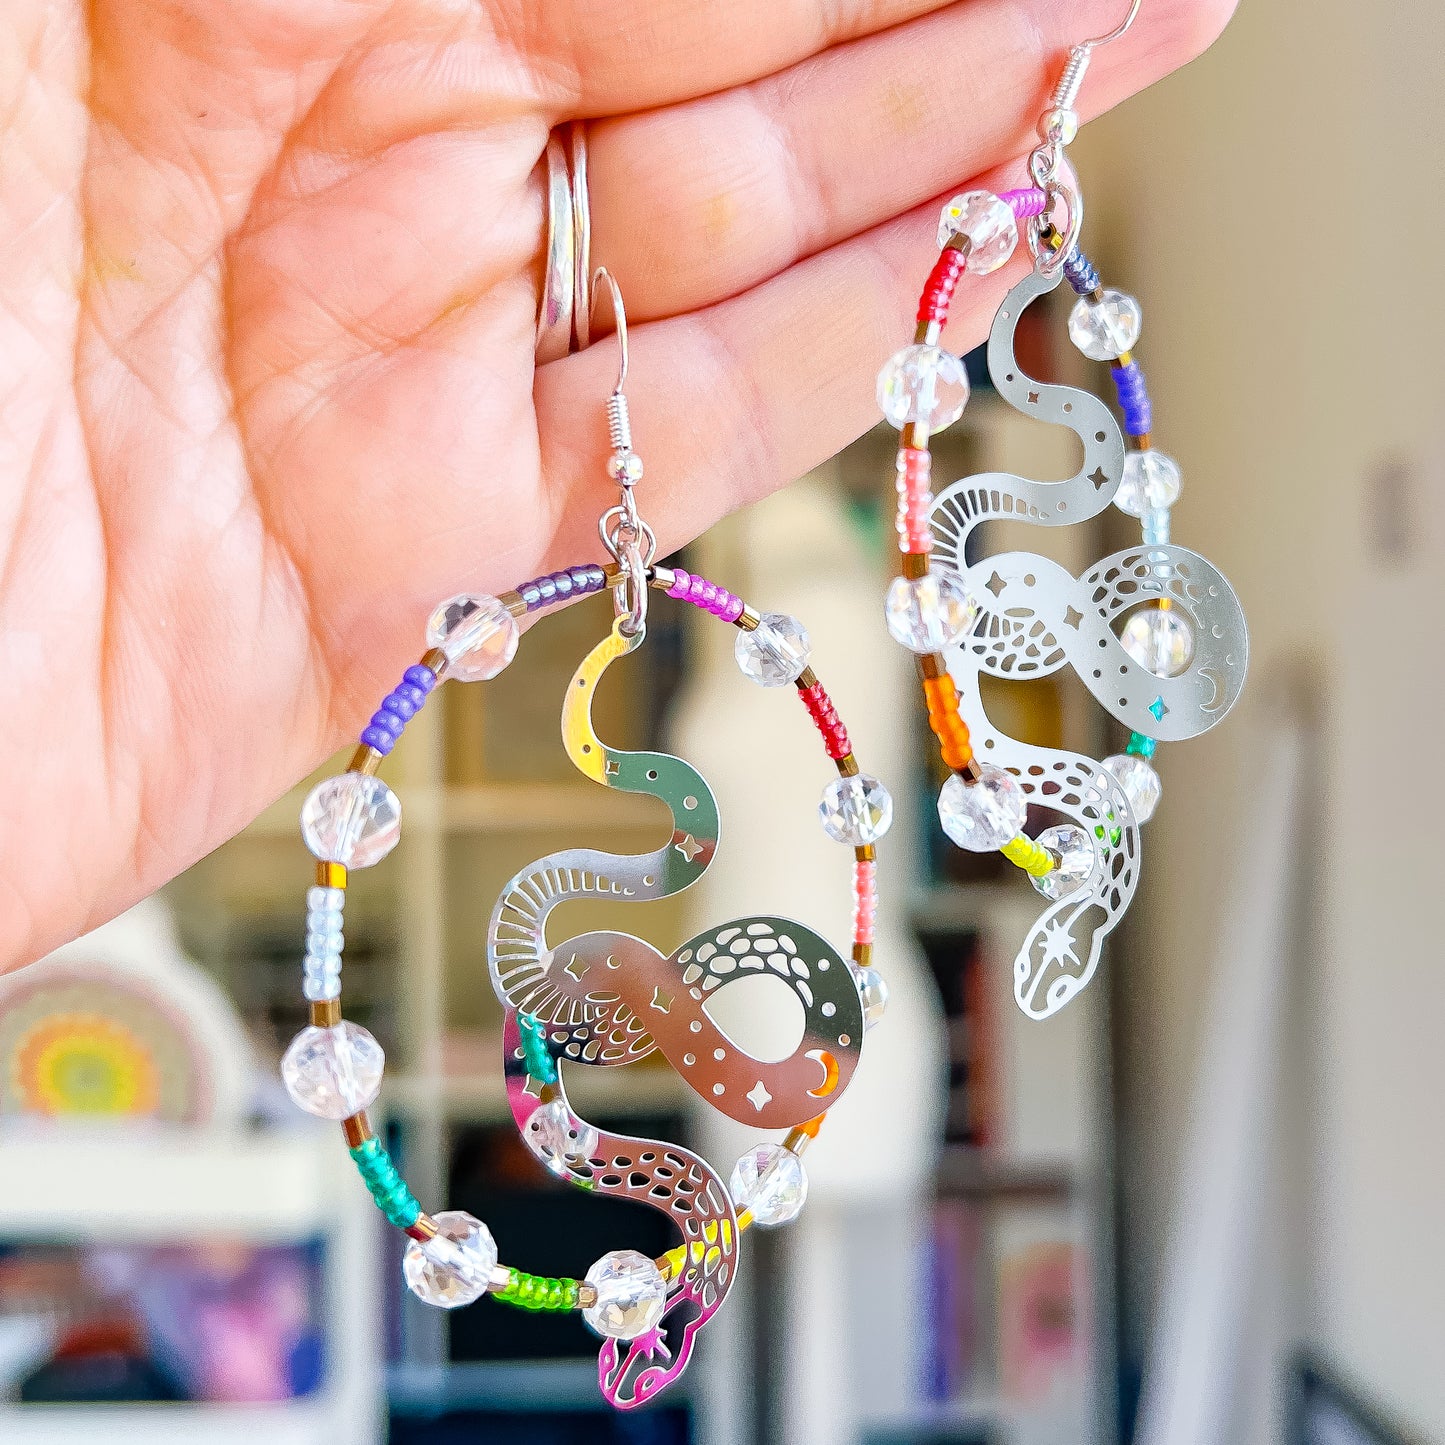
(1277, 207)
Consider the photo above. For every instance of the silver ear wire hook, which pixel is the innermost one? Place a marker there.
(1119, 30)
(630, 540)
(1058, 126)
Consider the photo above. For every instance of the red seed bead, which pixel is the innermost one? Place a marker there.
(938, 293)
(821, 710)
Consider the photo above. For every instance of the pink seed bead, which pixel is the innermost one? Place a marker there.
(1025, 203)
(865, 900)
(915, 499)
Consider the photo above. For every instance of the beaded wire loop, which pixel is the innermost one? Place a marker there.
(1086, 866)
(334, 1068)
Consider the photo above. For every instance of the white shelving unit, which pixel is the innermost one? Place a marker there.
(165, 1186)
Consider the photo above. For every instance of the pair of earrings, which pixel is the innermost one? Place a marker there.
(1154, 631)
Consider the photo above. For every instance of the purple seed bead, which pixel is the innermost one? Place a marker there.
(1080, 273)
(419, 675)
(1133, 393)
(378, 740)
(733, 610)
(388, 721)
(413, 694)
(403, 707)
(531, 594)
(548, 588)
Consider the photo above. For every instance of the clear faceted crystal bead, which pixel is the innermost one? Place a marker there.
(984, 815)
(872, 991)
(1160, 641)
(1104, 330)
(333, 1073)
(478, 635)
(771, 1182)
(775, 652)
(856, 810)
(352, 819)
(455, 1267)
(924, 385)
(927, 614)
(1074, 860)
(1141, 784)
(1151, 482)
(989, 224)
(557, 1132)
(631, 1294)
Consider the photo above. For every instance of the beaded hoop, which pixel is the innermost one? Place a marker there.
(604, 998)
(1021, 616)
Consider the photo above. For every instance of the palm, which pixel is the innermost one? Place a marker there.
(267, 295)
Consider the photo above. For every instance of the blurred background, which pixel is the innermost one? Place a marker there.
(1199, 1207)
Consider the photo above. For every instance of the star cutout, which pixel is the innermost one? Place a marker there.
(532, 1086)
(612, 767)
(577, 968)
(1073, 617)
(1033, 398)
(689, 847)
(1099, 478)
(759, 1097)
(995, 584)
(662, 1002)
(1158, 708)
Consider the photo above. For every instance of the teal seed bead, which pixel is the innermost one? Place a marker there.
(1140, 746)
(535, 1053)
(386, 1185)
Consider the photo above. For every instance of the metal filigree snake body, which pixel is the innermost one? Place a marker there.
(608, 998)
(1035, 618)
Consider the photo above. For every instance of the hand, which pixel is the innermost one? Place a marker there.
(268, 278)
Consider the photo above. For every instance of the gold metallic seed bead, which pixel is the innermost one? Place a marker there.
(357, 1130)
(435, 660)
(425, 1228)
(1143, 442)
(514, 604)
(586, 1296)
(1124, 358)
(748, 620)
(863, 955)
(1097, 295)
(326, 1013)
(921, 336)
(913, 564)
(365, 760)
(847, 766)
(797, 1141)
(661, 577)
(331, 875)
(865, 852)
(906, 438)
(806, 679)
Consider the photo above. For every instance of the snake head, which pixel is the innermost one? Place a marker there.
(632, 1372)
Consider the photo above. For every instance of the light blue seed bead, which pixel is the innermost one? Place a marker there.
(323, 940)
(317, 990)
(329, 900)
(1156, 526)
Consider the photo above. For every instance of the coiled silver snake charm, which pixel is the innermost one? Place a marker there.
(1036, 618)
(608, 998)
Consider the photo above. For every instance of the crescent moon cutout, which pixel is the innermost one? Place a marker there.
(830, 1072)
